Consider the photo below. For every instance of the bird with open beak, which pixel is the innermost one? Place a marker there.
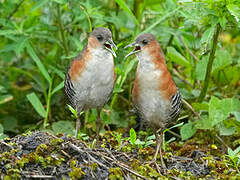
(90, 77)
(155, 95)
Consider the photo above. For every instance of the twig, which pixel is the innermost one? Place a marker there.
(39, 176)
(220, 139)
(81, 151)
(188, 50)
(191, 108)
(6, 144)
(117, 163)
(175, 134)
(181, 77)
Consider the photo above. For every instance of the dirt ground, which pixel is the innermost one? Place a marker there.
(41, 155)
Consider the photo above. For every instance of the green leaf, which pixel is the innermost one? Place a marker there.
(177, 57)
(57, 71)
(36, 103)
(161, 19)
(10, 123)
(201, 68)
(61, 1)
(73, 111)
(2, 135)
(125, 7)
(188, 130)
(40, 66)
(9, 32)
(234, 10)
(219, 110)
(207, 36)
(58, 87)
(63, 127)
(38, 4)
(223, 58)
(5, 98)
(133, 136)
(237, 115)
(177, 125)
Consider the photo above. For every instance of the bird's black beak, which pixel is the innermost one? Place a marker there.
(109, 46)
(137, 48)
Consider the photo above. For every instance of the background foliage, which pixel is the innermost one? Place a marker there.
(38, 39)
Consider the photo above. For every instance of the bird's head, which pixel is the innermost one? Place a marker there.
(102, 38)
(143, 43)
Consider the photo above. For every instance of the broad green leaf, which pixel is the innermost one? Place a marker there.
(237, 115)
(41, 67)
(219, 110)
(224, 131)
(201, 68)
(133, 136)
(63, 127)
(188, 130)
(177, 57)
(36, 103)
(125, 7)
(205, 123)
(223, 58)
(207, 36)
(58, 87)
(38, 4)
(10, 123)
(234, 10)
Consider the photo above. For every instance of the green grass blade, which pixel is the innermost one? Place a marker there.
(125, 7)
(58, 87)
(40, 66)
(36, 103)
(161, 20)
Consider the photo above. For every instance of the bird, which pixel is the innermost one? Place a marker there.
(155, 95)
(90, 77)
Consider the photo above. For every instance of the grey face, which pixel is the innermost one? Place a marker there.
(141, 41)
(104, 37)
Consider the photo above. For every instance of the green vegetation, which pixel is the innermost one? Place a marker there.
(201, 41)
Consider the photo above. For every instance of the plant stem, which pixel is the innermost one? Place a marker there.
(88, 18)
(45, 122)
(210, 63)
(64, 42)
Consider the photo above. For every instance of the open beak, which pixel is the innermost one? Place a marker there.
(109, 46)
(137, 49)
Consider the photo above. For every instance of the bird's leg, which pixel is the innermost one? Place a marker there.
(78, 123)
(98, 124)
(160, 149)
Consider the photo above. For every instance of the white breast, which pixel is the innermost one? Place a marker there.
(151, 103)
(97, 80)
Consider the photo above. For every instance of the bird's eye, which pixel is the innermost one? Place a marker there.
(99, 37)
(144, 41)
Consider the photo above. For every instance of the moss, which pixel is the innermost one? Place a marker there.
(115, 174)
(76, 173)
(56, 141)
